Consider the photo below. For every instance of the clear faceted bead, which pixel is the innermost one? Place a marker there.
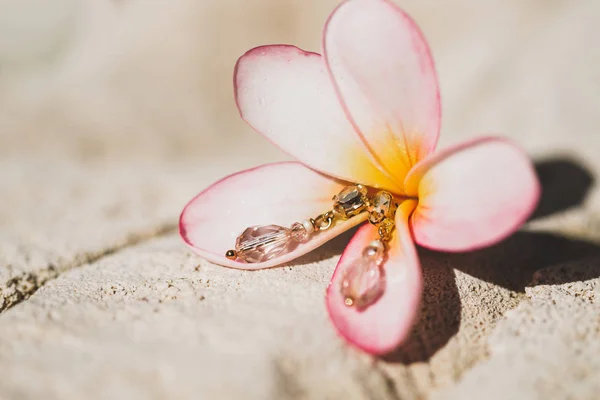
(262, 243)
(351, 201)
(299, 232)
(382, 206)
(363, 282)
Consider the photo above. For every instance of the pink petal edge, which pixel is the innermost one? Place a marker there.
(278, 193)
(285, 94)
(381, 327)
(472, 195)
(385, 77)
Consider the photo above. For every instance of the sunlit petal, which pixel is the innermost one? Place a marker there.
(472, 195)
(286, 94)
(384, 74)
(280, 193)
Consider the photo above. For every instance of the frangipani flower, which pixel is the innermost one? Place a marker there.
(366, 111)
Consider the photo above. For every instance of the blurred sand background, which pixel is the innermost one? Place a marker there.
(114, 113)
(129, 79)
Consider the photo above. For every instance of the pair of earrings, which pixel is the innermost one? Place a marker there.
(363, 282)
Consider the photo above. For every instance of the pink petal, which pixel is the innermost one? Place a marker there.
(286, 94)
(384, 73)
(381, 327)
(472, 195)
(279, 193)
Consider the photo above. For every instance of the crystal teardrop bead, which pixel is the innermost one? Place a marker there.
(262, 243)
(363, 282)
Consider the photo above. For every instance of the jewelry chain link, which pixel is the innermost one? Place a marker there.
(325, 221)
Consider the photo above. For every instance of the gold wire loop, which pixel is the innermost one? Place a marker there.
(323, 221)
(385, 229)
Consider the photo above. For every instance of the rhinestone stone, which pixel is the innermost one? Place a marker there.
(363, 282)
(382, 206)
(262, 243)
(351, 201)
